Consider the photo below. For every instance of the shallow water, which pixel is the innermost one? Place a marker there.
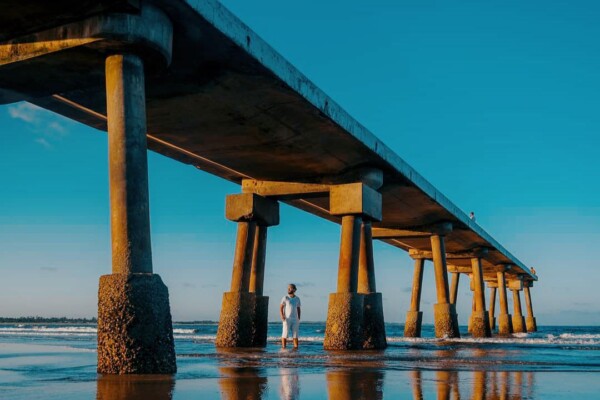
(59, 362)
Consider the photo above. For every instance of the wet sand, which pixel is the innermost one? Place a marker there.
(30, 371)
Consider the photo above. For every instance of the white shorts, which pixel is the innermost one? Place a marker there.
(290, 325)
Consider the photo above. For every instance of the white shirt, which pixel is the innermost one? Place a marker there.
(291, 307)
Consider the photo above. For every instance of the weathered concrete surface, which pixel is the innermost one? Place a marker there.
(260, 321)
(236, 324)
(530, 320)
(128, 165)
(345, 322)
(347, 281)
(480, 324)
(412, 327)
(518, 324)
(492, 310)
(373, 322)
(135, 332)
(261, 118)
(518, 321)
(252, 207)
(531, 324)
(414, 317)
(505, 325)
(445, 321)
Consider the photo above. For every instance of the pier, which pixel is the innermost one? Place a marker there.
(189, 80)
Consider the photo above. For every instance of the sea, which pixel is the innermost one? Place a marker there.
(58, 361)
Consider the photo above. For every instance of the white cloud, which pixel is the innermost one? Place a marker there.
(26, 112)
(43, 142)
(48, 128)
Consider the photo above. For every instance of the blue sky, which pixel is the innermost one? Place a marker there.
(494, 103)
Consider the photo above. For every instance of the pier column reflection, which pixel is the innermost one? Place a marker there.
(135, 387)
(351, 384)
(242, 383)
(417, 386)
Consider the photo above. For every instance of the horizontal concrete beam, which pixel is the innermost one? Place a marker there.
(285, 190)
(475, 253)
(357, 199)
(148, 33)
(514, 284)
(251, 207)
(418, 232)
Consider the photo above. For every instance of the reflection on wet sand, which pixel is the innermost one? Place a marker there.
(355, 383)
(135, 387)
(485, 385)
(289, 388)
(242, 383)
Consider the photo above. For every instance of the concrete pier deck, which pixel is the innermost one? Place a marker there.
(230, 105)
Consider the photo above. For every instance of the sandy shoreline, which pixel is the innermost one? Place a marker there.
(32, 371)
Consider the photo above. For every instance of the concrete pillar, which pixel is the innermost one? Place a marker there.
(242, 259)
(518, 320)
(414, 317)
(492, 311)
(135, 334)
(530, 321)
(374, 325)
(349, 254)
(504, 318)
(445, 318)
(244, 312)
(454, 287)
(480, 321)
(257, 271)
(470, 323)
(355, 320)
(345, 316)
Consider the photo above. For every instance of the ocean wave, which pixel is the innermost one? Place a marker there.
(49, 331)
(194, 334)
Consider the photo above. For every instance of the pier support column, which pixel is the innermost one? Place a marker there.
(135, 333)
(374, 325)
(504, 318)
(530, 321)
(244, 315)
(518, 320)
(492, 311)
(480, 321)
(414, 317)
(346, 318)
(445, 318)
(454, 287)
(470, 323)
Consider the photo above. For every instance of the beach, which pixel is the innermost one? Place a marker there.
(59, 362)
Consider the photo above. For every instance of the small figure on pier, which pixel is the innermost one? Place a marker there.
(533, 271)
(290, 316)
(472, 216)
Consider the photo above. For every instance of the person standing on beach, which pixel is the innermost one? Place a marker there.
(289, 311)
